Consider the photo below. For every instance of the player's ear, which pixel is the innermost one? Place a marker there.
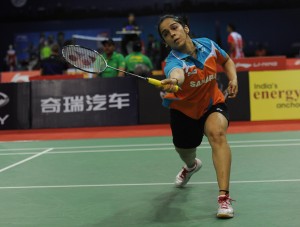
(186, 29)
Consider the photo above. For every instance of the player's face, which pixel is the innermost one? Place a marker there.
(174, 34)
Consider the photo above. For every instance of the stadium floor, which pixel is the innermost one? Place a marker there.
(117, 180)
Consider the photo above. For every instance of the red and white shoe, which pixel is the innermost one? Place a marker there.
(185, 174)
(225, 209)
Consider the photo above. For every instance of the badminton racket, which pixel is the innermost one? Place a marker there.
(91, 61)
(225, 93)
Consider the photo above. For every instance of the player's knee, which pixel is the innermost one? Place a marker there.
(216, 136)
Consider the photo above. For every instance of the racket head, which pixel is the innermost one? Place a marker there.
(83, 58)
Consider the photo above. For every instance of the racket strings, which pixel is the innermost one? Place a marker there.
(85, 59)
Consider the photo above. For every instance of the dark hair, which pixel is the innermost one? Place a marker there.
(179, 19)
(108, 41)
(232, 26)
(55, 49)
(137, 46)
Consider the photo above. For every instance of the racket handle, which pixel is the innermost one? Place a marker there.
(158, 83)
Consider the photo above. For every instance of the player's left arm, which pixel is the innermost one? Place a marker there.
(229, 67)
(230, 70)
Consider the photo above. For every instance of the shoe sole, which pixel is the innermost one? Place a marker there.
(225, 216)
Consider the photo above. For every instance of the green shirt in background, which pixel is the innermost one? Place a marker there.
(45, 52)
(135, 58)
(117, 60)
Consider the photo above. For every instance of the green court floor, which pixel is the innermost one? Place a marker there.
(129, 182)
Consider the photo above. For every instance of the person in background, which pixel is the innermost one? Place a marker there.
(54, 64)
(45, 51)
(153, 51)
(33, 62)
(164, 52)
(128, 39)
(260, 51)
(60, 39)
(199, 107)
(137, 62)
(11, 58)
(113, 59)
(235, 42)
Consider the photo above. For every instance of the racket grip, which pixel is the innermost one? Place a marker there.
(158, 83)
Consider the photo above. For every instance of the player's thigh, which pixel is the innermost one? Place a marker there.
(187, 132)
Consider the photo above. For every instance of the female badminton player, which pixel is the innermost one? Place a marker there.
(199, 107)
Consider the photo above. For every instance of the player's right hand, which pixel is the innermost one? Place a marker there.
(170, 85)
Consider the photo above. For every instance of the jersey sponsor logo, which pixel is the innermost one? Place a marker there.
(204, 81)
(194, 71)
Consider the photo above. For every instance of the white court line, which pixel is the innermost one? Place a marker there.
(148, 149)
(147, 145)
(20, 141)
(25, 160)
(141, 184)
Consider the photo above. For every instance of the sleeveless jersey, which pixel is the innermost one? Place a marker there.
(237, 41)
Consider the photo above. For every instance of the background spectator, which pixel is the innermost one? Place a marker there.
(45, 51)
(128, 39)
(11, 58)
(153, 51)
(260, 50)
(54, 64)
(113, 59)
(235, 42)
(137, 62)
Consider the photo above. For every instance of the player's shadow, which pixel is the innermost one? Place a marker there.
(168, 207)
(178, 206)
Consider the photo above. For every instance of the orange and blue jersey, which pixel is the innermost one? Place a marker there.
(200, 89)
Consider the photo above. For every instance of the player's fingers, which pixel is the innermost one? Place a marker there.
(166, 81)
(166, 87)
(169, 88)
(233, 92)
(232, 89)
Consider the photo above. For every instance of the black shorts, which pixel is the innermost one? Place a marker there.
(188, 132)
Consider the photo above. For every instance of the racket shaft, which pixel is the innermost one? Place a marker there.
(158, 83)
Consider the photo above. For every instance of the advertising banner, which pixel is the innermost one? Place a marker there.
(293, 63)
(18, 76)
(151, 110)
(14, 106)
(84, 102)
(259, 63)
(275, 95)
